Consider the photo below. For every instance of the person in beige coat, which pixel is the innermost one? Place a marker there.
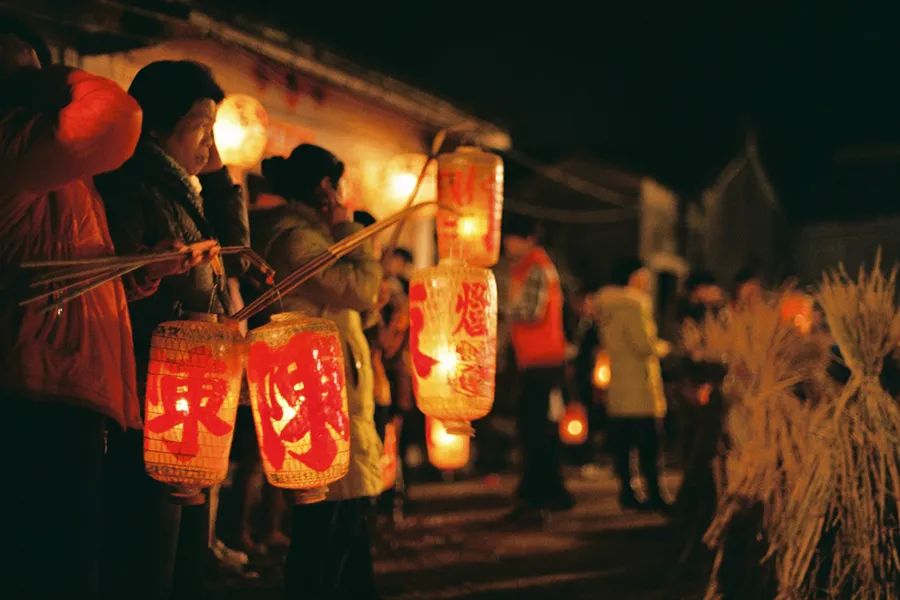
(330, 555)
(635, 401)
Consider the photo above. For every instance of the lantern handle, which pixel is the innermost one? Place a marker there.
(437, 143)
(326, 259)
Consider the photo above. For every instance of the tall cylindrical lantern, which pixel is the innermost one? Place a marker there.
(602, 372)
(446, 451)
(295, 371)
(453, 342)
(193, 389)
(573, 426)
(470, 182)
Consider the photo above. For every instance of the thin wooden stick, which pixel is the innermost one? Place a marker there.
(116, 261)
(65, 288)
(87, 288)
(322, 261)
(140, 260)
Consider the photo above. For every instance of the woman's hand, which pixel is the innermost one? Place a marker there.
(192, 255)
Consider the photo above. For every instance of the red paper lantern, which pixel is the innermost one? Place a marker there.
(797, 309)
(193, 388)
(446, 451)
(471, 182)
(573, 427)
(602, 371)
(295, 370)
(453, 342)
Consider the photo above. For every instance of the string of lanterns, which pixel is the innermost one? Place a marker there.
(295, 363)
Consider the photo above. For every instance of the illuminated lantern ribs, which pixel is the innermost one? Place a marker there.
(470, 182)
(453, 342)
(295, 370)
(193, 385)
(573, 427)
(446, 451)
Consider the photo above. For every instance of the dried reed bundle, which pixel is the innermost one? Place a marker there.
(861, 437)
(771, 368)
(821, 458)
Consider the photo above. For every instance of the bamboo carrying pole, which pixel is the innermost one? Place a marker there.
(323, 261)
(90, 273)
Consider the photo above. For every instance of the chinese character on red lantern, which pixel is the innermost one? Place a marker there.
(453, 322)
(296, 375)
(191, 395)
(471, 183)
(193, 386)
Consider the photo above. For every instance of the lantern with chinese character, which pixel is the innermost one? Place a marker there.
(446, 450)
(797, 309)
(389, 457)
(602, 373)
(471, 183)
(295, 371)
(453, 342)
(193, 389)
(573, 426)
(241, 130)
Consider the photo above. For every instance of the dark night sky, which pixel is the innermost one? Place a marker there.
(674, 103)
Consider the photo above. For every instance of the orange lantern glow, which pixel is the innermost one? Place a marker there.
(471, 182)
(602, 372)
(453, 342)
(573, 427)
(193, 388)
(389, 458)
(797, 310)
(295, 370)
(241, 130)
(400, 176)
(446, 451)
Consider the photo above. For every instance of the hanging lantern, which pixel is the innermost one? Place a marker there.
(797, 309)
(573, 426)
(193, 389)
(400, 176)
(602, 372)
(389, 457)
(241, 130)
(295, 371)
(446, 451)
(453, 342)
(471, 182)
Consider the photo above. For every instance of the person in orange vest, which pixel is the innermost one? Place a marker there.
(535, 313)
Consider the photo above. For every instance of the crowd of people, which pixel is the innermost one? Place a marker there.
(88, 170)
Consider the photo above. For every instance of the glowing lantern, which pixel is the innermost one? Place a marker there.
(389, 458)
(602, 371)
(193, 388)
(471, 182)
(573, 427)
(446, 450)
(453, 342)
(400, 176)
(797, 309)
(295, 370)
(241, 130)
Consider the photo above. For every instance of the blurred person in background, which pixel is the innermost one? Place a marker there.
(534, 309)
(636, 403)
